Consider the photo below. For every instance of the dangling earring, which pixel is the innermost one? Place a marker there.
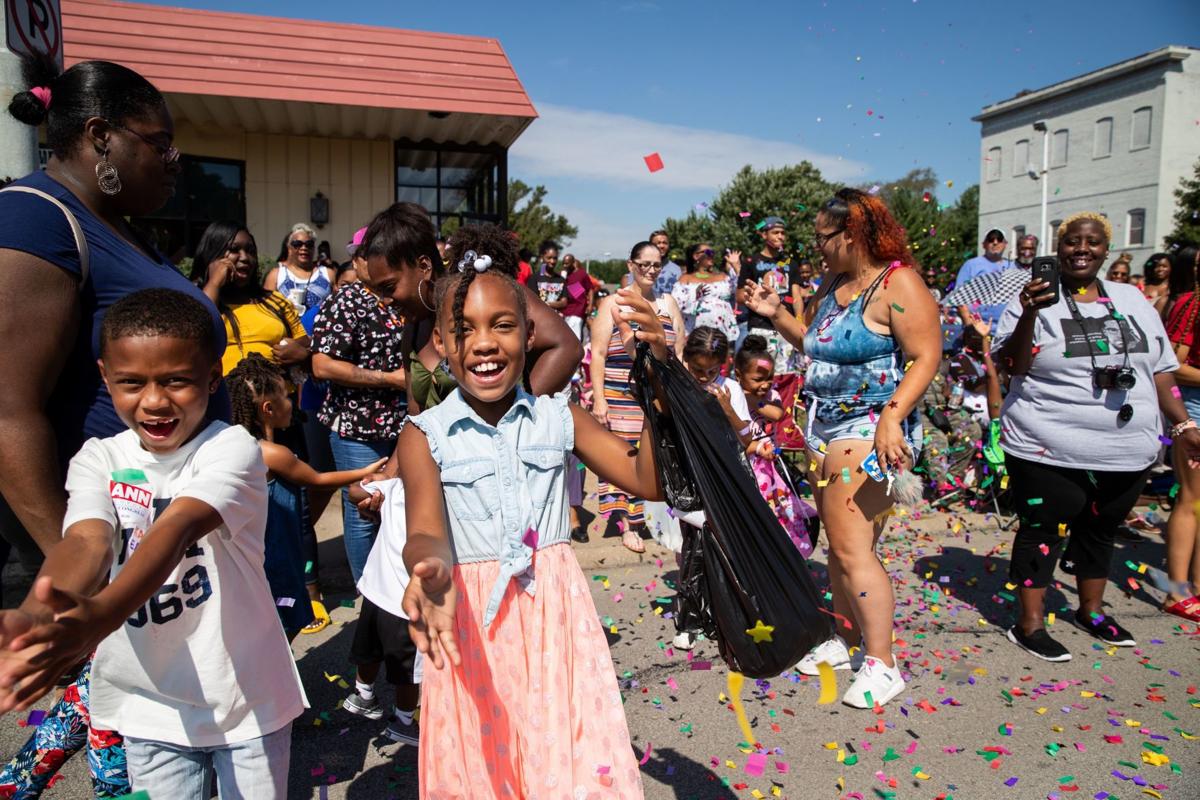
(421, 296)
(106, 175)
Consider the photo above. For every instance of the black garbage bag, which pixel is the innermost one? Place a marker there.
(753, 578)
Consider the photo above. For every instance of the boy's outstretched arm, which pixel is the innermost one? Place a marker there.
(68, 623)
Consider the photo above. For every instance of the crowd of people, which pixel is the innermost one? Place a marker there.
(171, 442)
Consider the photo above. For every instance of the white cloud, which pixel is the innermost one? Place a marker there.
(597, 145)
(600, 236)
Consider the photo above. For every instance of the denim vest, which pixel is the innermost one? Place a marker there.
(505, 486)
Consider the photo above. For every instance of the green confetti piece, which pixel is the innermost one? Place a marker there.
(1034, 501)
(1053, 748)
(347, 604)
(845, 474)
(898, 307)
(1102, 346)
(129, 476)
(307, 567)
(870, 700)
(890, 755)
(1004, 693)
(600, 578)
(1174, 491)
(850, 760)
(686, 728)
(1170, 716)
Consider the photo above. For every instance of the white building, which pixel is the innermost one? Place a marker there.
(1119, 141)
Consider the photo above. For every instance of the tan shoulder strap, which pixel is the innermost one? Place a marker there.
(76, 230)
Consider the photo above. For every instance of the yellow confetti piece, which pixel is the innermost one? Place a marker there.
(613, 629)
(1085, 693)
(342, 684)
(1004, 482)
(733, 682)
(1056, 728)
(1050, 618)
(776, 791)
(828, 684)
(1155, 759)
(757, 795)
(822, 484)
(1062, 530)
(841, 756)
(1041, 710)
(920, 775)
(1010, 586)
(731, 765)
(831, 745)
(1152, 793)
(332, 678)
(1133, 723)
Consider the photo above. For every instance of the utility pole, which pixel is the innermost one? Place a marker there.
(1043, 238)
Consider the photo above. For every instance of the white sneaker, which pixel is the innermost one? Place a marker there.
(883, 683)
(684, 640)
(832, 651)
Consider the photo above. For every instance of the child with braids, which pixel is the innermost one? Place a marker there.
(522, 700)
(259, 395)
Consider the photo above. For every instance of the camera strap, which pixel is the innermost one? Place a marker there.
(1112, 314)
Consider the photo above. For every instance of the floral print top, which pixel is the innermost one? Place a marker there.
(354, 326)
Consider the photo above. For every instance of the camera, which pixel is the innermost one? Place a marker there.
(1114, 378)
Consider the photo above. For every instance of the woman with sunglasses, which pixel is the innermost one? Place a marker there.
(613, 404)
(299, 277)
(67, 253)
(704, 294)
(872, 339)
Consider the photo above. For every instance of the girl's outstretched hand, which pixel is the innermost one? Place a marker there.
(636, 317)
(429, 601)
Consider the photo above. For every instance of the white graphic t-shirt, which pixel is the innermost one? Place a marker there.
(204, 662)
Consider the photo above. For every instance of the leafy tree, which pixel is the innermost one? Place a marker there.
(732, 218)
(1187, 215)
(532, 219)
(610, 270)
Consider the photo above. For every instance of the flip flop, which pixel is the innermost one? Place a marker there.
(1189, 609)
(320, 618)
(637, 546)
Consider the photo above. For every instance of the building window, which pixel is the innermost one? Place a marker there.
(1102, 146)
(1054, 223)
(1018, 233)
(456, 184)
(993, 164)
(1135, 229)
(1139, 138)
(208, 189)
(1058, 148)
(1021, 158)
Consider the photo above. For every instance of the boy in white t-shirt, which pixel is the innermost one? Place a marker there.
(191, 664)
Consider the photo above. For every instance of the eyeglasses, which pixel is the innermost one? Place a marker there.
(648, 266)
(168, 153)
(297, 244)
(708, 251)
(821, 239)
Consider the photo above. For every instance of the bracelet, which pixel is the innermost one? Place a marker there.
(746, 430)
(1180, 427)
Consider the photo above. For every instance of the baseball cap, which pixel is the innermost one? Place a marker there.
(995, 235)
(772, 222)
(353, 245)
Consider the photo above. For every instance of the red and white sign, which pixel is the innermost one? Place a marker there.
(35, 27)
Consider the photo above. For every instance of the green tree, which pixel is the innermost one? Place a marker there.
(732, 219)
(609, 270)
(1187, 215)
(532, 219)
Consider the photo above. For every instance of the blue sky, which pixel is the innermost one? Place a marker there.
(865, 90)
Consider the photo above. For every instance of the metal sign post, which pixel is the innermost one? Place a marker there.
(32, 27)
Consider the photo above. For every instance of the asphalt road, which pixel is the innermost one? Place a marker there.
(979, 718)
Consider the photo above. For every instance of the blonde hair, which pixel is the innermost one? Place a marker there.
(304, 227)
(1088, 215)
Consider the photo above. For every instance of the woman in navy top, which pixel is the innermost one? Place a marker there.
(111, 136)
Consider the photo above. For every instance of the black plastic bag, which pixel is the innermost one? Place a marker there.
(678, 484)
(752, 573)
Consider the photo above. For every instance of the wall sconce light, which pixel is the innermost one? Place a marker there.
(318, 210)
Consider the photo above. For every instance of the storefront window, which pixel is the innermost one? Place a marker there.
(457, 184)
(209, 189)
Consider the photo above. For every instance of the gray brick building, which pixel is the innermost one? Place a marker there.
(1120, 138)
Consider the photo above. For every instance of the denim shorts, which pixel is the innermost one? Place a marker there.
(819, 435)
(1191, 400)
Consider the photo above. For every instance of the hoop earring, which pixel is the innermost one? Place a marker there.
(107, 176)
(421, 296)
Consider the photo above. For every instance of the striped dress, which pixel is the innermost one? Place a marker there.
(625, 416)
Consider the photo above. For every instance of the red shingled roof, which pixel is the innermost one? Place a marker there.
(242, 55)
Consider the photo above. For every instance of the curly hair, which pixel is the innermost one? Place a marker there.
(1086, 215)
(455, 287)
(486, 240)
(866, 219)
(249, 384)
(705, 340)
(165, 313)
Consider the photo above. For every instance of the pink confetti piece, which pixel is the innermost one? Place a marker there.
(672, 685)
(646, 755)
(783, 767)
(530, 539)
(755, 762)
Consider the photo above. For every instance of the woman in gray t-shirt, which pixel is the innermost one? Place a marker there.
(1091, 372)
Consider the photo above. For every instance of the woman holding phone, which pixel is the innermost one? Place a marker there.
(872, 336)
(1092, 377)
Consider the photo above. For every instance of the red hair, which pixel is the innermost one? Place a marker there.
(866, 219)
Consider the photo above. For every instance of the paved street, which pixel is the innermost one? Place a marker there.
(979, 719)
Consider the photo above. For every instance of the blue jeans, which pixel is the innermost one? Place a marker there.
(358, 533)
(256, 769)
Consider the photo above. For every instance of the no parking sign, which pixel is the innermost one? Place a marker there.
(35, 27)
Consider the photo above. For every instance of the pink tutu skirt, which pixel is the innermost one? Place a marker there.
(534, 711)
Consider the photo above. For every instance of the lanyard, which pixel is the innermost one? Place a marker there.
(1112, 314)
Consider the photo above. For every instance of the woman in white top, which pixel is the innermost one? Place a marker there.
(298, 276)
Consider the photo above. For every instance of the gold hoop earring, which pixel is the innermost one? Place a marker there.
(421, 296)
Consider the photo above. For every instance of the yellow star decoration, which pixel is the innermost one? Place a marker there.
(760, 633)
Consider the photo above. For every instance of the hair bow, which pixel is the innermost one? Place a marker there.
(473, 259)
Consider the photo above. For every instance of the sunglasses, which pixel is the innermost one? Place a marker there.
(297, 244)
(168, 153)
(708, 251)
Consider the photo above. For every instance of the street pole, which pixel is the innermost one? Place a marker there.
(18, 141)
(1043, 238)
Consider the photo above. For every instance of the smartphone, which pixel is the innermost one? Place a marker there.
(1046, 268)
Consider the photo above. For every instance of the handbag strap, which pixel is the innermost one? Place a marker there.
(76, 229)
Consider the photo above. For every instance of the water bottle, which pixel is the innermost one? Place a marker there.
(956, 395)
